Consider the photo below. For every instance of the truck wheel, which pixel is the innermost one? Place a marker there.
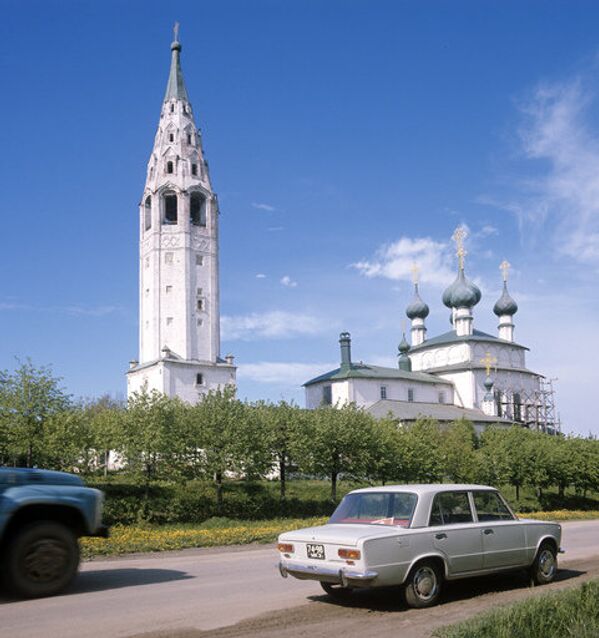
(337, 592)
(544, 568)
(423, 585)
(42, 559)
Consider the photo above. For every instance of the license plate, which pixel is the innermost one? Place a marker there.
(315, 551)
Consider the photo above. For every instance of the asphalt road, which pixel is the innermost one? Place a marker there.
(200, 589)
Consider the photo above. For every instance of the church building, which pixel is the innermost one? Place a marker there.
(463, 373)
(179, 315)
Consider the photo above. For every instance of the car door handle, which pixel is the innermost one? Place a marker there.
(488, 531)
(441, 536)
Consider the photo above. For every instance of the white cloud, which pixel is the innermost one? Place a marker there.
(78, 310)
(395, 261)
(557, 132)
(276, 324)
(287, 374)
(288, 282)
(266, 207)
(260, 275)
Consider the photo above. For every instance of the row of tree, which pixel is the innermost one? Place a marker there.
(158, 438)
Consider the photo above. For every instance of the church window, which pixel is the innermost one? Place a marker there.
(199, 292)
(194, 169)
(200, 322)
(147, 292)
(168, 258)
(498, 403)
(441, 397)
(189, 138)
(171, 137)
(200, 304)
(147, 262)
(327, 395)
(169, 321)
(383, 392)
(197, 209)
(170, 208)
(199, 379)
(517, 407)
(199, 260)
(148, 213)
(169, 167)
(172, 108)
(411, 395)
(169, 289)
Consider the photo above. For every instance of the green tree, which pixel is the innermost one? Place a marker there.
(422, 449)
(29, 397)
(152, 441)
(107, 418)
(460, 460)
(338, 441)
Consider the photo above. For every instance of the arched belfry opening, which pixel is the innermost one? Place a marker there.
(197, 209)
(148, 213)
(170, 202)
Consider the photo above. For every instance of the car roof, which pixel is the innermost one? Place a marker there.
(425, 488)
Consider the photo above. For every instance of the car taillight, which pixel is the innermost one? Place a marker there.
(285, 548)
(350, 554)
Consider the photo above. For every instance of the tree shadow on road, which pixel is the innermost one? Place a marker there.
(390, 599)
(104, 579)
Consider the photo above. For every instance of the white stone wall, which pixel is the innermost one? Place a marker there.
(366, 392)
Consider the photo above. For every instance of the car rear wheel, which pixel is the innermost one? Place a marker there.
(337, 592)
(41, 560)
(423, 585)
(544, 568)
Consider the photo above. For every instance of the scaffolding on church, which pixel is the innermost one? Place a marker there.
(535, 410)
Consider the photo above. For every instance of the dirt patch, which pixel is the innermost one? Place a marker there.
(383, 612)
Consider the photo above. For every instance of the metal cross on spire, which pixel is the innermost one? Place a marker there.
(415, 268)
(505, 266)
(489, 361)
(176, 32)
(459, 236)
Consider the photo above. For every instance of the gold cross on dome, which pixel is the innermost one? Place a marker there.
(505, 266)
(415, 268)
(176, 32)
(488, 360)
(459, 236)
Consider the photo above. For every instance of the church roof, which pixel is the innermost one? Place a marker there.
(412, 410)
(364, 371)
(451, 337)
(175, 88)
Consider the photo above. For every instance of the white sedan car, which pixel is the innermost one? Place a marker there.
(419, 536)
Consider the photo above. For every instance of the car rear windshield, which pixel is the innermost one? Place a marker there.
(376, 508)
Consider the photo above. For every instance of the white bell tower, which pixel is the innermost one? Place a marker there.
(179, 316)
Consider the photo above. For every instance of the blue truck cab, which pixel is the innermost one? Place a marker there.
(42, 516)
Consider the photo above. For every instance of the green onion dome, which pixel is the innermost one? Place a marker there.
(417, 308)
(462, 293)
(505, 305)
(404, 346)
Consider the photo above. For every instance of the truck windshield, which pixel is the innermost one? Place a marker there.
(376, 508)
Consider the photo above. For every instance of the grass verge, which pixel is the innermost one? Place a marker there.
(125, 539)
(573, 613)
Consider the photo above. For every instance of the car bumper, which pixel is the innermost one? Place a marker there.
(334, 575)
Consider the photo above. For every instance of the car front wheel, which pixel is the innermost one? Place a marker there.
(423, 585)
(41, 560)
(544, 568)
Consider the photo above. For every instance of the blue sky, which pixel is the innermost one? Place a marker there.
(345, 139)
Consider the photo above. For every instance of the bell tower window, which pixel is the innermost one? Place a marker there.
(170, 208)
(171, 137)
(197, 209)
(169, 167)
(148, 213)
(194, 169)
